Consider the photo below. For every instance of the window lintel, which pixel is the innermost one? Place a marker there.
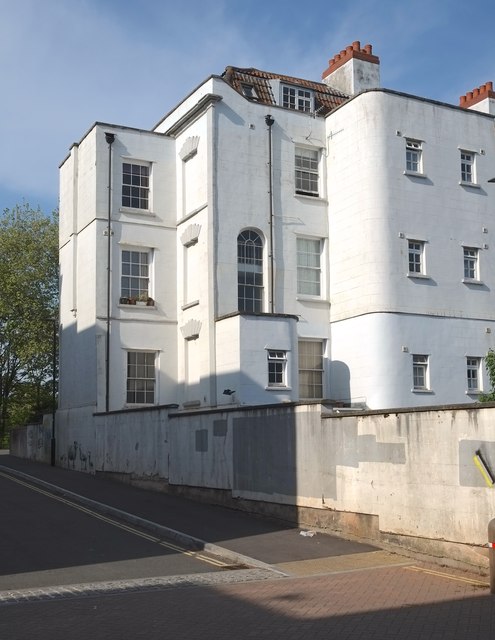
(412, 238)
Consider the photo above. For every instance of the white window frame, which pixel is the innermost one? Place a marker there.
(473, 375)
(468, 167)
(277, 368)
(421, 372)
(141, 388)
(414, 156)
(297, 98)
(136, 266)
(309, 275)
(136, 185)
(307, 171)
(416, 257)
(316, 377)
(471, 264)
(250, 272)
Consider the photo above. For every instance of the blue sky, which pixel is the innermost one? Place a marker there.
(65, 64)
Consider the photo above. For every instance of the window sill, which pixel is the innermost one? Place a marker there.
(473, 393)
(423, 391)
(188, 305)
(308, 196)
(416, 174)
(137, 306)
(309, 298)
(471, 185)
(419, 276)
(280, 388)
(139, 212)
(480, 283)
(139, 405)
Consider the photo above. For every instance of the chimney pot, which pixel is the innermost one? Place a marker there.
(368, 48)
(356, 45)
(478, 94)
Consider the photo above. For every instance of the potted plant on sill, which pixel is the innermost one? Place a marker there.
(144, 300)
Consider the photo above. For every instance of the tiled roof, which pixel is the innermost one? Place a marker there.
(326, 98)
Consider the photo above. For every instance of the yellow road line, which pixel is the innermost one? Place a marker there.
(449, 576)
(195, 554)
(214, 561)
(79, 507)
(116, 523)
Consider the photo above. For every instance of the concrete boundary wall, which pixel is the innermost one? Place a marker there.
(404, 477)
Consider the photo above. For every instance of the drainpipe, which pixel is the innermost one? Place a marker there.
(269, 122)
(109, 137)
(54, 391)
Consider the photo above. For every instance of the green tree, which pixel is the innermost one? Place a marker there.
(490, 367)
(28, 311)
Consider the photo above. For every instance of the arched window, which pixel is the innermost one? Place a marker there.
(250, 271)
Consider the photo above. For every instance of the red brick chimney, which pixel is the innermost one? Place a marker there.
(475, 99)
(352, 51)
(353, 69)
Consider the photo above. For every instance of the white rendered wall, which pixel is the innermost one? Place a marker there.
(85, 209)
(146, 328)
(242, 187)
(242, 358)
(229, 195)
(194, 269)
(366, 212)
(371, 358)
(374, 210)
(355, 76)
(78, 279)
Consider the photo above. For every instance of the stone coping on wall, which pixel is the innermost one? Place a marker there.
(342, 412)
(327, 411)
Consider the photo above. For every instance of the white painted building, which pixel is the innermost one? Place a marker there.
(290, 240)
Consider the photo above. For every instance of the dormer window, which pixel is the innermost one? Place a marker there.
(249, 91)
(297, 98)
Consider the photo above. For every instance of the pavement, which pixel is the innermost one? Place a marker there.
(302, 584)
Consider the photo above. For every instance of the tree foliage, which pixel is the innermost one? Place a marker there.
(490, 367)
(28, 312)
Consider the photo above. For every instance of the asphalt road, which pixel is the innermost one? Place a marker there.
(49, 540)
(72, 566)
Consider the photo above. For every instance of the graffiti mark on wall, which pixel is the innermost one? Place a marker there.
(77, 456)
(469, 473)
